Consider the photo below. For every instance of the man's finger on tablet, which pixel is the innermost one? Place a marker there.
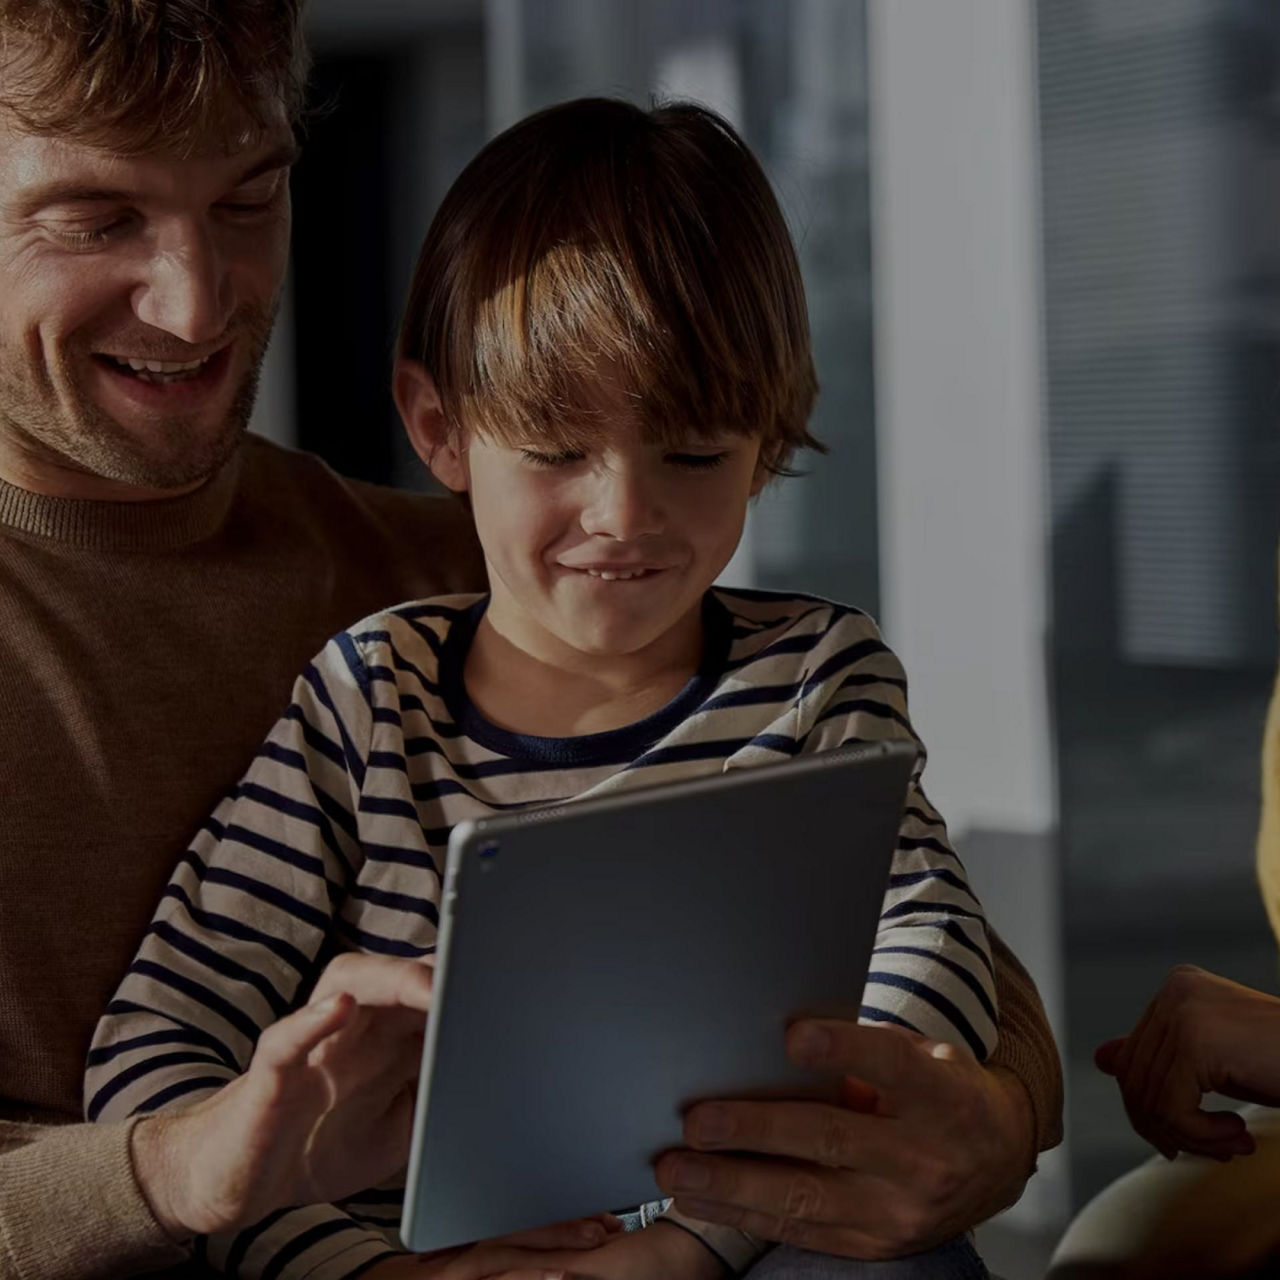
(832, 1136)
(805, 1192)
(817, 1237)
(377, 980)
(890, 1059)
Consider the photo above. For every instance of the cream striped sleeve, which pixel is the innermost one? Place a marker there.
(236, 943)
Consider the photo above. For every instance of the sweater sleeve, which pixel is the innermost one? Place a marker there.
(240, 934)
(1026, 1047)
(70, 1206)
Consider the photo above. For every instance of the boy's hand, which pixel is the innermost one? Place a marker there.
(928, 1144)
(545, 1253)
(324, 1109)
(1201, 1034)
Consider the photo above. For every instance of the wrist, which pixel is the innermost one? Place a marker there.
(682, 1253)
(1016, 1119)
(158, 1169)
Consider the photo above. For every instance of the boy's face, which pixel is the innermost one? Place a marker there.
(604, 552)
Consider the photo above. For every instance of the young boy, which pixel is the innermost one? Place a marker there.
(606, 351)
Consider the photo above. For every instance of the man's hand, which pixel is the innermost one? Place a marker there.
(324, 1109)
(929, 1144)
(1201, 1034)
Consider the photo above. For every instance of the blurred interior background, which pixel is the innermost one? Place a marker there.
(1042, 248)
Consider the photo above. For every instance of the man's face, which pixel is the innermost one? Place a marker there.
(137, 296)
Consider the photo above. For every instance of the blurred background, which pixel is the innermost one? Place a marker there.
(1042, 249)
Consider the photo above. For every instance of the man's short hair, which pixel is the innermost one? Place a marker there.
(179, 77)
(599, 241)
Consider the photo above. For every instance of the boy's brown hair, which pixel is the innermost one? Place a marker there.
(598, 243)
(140, 76)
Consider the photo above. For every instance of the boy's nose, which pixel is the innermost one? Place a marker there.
(622, 506)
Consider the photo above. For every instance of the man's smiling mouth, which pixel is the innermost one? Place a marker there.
(161, 371)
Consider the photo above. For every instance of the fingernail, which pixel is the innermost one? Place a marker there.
(810, 1042)
(591, 1233)
(690, 1175)
(711, 1124)
(324, 1008)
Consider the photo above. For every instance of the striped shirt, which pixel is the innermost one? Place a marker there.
(336, 837)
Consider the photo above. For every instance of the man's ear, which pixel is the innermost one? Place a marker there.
(418, 401)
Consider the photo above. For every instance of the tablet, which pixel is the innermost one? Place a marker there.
(602, 965)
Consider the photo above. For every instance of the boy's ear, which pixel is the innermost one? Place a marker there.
(418, 401)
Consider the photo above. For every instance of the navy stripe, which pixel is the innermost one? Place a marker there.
(243, 1242)
(380, 945)
(957, 932)
(289, 854)
(871, 1014)
(409, 667)
(355, 766)
(267, 893)
(319, 742)
(221, 964)
(428, 637)
(905, 878)
(911, 843)
(929, 819)
(171, 1035)
(753, 695)
(146, 1067)
(929, 908)
(422, 609)
(940, 1002)
(191, 1033)
(290, 808)
(947, 963)
(864, 706)
(386, 715)
(179, 1089)
(376, 1195)
(849, 656)
(404, 856)
(354, 659)
(397, 901)
(371, 637)
(302, 1242)
(201, 994)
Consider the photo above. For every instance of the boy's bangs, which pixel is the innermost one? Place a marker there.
(573, 347)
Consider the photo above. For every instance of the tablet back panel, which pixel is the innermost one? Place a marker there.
(604, 964)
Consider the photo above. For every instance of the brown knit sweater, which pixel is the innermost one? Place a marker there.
(145, 649)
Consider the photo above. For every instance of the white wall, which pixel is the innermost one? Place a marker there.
(960, 439)
(958, 396)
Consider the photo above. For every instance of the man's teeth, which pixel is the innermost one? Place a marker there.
(159, 370)
(617, 575)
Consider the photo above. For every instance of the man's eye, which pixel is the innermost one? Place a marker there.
(561, 459)
(89, 238)
(697, 461)
(253, 199)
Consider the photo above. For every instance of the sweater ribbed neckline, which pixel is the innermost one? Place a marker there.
(163, 524)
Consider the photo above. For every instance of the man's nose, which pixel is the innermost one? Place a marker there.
(187, 290)
(623, 505)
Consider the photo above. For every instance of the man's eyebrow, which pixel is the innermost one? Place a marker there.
(30, 202)
(283, 157)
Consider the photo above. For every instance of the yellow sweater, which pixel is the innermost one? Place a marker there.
(1269, 828)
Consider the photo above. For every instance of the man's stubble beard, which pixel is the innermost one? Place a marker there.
(170, 456)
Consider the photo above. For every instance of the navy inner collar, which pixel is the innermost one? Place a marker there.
(615, 746)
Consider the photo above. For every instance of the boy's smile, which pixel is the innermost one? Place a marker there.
(605, 553)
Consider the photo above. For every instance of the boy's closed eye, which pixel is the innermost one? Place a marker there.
(566, 457)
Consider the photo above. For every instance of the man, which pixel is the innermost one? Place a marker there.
(145, 547)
